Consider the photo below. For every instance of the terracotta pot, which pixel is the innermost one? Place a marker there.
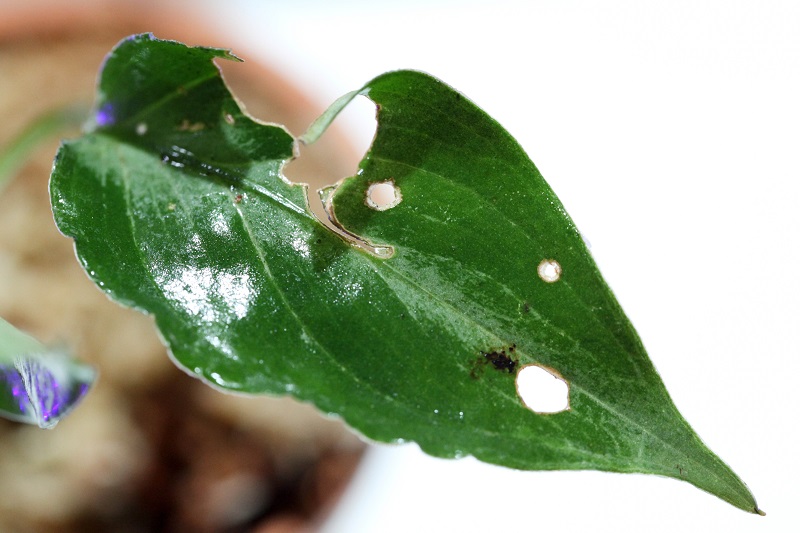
(150, 447)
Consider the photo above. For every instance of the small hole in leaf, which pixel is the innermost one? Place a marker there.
(549, 270)
(542, 390)
(383, 195)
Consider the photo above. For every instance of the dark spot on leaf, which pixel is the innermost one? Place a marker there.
(526, 307)
(501, 360)
(238, 199)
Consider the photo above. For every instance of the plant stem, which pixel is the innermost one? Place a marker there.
(52, 123)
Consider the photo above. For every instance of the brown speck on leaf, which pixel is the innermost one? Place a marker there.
(499, 359)
(191, 127)
(238, 199)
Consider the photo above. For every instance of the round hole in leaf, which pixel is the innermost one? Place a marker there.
(549, 270)
(542, 390)
(383, 195)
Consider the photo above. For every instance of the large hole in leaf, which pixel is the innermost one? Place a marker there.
(542, 390)
(336, 154)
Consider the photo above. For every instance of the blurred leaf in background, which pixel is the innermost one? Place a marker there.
(38, 385)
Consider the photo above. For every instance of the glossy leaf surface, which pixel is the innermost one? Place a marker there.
(177, 205)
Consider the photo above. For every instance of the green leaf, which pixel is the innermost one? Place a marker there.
(38, 385)
(178, 207)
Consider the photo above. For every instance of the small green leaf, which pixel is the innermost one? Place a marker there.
(38, 385)
(178, 207)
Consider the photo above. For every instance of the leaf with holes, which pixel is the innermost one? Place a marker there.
(178, 207)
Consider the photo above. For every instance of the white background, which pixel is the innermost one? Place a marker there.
(671, 132)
